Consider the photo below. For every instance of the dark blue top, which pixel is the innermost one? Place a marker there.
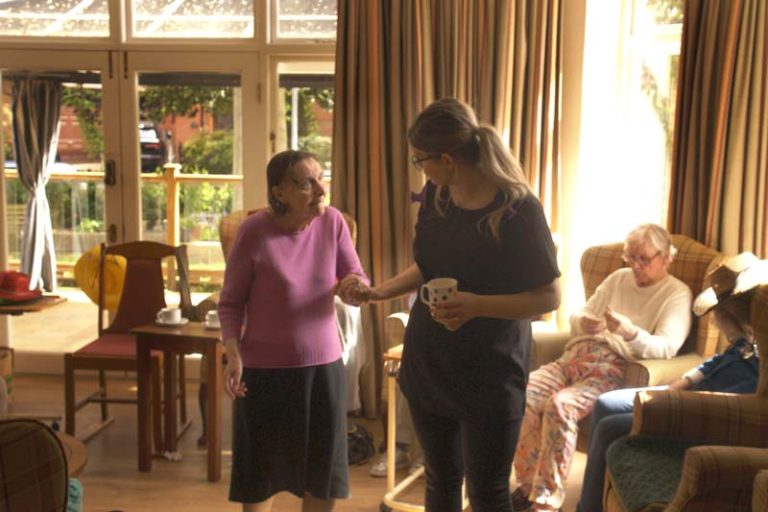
(483, 366)
(730, 372)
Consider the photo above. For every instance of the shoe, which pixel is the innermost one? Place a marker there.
(520, 501)
(417, 465)
(402, 460)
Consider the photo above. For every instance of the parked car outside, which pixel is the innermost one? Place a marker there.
(152, 147)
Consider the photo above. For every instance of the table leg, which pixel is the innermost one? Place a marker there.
(213, 427)
(169, 397)
(391, 428)
(143, 374)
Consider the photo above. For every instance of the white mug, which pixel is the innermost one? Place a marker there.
(212, 318)
(169, 316)
(437, 290)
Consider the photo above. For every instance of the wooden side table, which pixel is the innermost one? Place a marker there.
(190, 338)
(76, 452)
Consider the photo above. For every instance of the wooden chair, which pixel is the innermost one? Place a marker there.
(695, 451)
(114, 349)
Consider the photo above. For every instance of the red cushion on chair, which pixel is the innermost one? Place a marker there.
(120, 345)
(116, 345)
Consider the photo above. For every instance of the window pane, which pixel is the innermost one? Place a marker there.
(75, 190)
(192, 119)
(306, 19)
(307, 113)
(193, 18)
(54, 18)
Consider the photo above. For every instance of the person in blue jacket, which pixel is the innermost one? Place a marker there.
(735, 370)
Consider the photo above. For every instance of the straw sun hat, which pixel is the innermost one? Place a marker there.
(87, 276)
(733, 277)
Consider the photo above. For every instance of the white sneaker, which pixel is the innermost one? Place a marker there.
(402, 460)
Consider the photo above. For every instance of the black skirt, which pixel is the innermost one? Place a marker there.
(290, 434)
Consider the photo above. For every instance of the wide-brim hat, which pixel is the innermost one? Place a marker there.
(14, 287)
(733, 277)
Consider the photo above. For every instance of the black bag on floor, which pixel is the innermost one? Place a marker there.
(359, 444)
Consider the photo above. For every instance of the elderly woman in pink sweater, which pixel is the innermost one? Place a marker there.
(283, 351)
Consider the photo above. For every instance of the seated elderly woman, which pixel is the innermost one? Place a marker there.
(735, 370)
(636, 313)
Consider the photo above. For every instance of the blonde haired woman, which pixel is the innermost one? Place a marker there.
(636, 313)
(465, 361)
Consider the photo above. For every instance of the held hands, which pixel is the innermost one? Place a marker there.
(233, 373)
(352, 290)
(619, 324)
(456, 311)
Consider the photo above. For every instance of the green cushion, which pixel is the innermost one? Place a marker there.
(646, 470)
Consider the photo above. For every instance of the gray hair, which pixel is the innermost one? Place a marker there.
(653, 235)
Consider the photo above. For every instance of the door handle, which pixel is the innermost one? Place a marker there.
(110, 173)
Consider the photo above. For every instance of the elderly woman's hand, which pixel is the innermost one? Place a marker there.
(456, 311)
(591, 325)
(233, 373)
(620, 324)
(353, 290)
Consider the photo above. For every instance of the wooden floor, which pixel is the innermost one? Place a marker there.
(111, 478)
(112, 481)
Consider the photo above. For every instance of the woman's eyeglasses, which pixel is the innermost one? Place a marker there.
(419, 162)
(306, 183)
(642, 261)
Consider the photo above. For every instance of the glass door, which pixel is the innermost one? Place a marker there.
(83, 189)
(194, 156)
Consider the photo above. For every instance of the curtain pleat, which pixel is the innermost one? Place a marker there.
(35, 109)
(395, 57)
(718, 189)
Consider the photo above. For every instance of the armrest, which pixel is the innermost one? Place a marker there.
(394, 328)
(547, 347)
(657, 372)
(760, 492)
(718, 474)
(719, 418)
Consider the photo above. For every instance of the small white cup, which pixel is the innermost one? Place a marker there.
(212, 318)
(169, 316)
(438, 290)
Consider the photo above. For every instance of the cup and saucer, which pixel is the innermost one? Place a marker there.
(170, 317)
(212, 320)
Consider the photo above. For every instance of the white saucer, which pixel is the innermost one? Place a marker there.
(213, 327)
(181, 322)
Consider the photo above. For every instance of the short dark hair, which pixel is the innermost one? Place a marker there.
(278, 166)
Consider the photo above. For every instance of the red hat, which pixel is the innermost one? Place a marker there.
(14, 287)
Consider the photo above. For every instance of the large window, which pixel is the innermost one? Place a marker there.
(631, 54)
(54, 18)
(182, 85)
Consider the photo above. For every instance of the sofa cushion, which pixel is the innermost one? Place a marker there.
(646, 471)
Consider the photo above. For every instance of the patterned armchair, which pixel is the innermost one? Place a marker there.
(691, 265)
(705, 451)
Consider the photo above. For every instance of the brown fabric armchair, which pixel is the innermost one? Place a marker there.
(691, 265)
(725, 471)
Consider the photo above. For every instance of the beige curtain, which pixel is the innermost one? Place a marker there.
(395, 57)
(718, 189)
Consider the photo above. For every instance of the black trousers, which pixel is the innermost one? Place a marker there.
(479, 447)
